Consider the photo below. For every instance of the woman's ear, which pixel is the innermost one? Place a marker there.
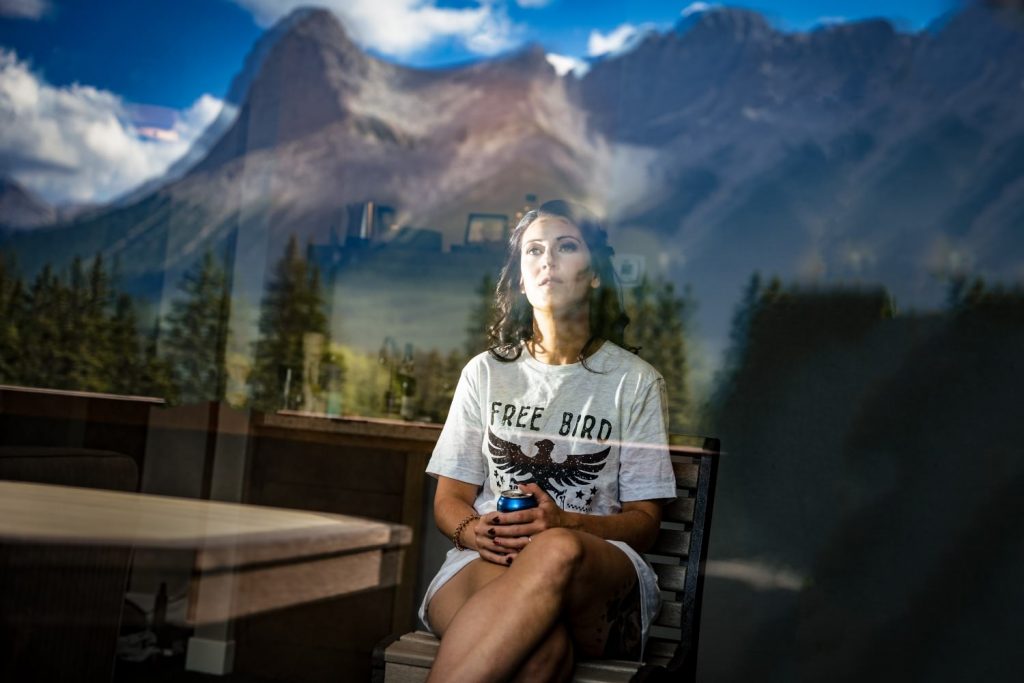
(596, 282)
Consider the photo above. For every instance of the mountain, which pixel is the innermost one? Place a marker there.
(22, 208)
(851, 153)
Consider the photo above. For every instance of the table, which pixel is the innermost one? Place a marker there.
(248, 558)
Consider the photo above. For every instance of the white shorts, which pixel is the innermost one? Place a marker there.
(650, 597)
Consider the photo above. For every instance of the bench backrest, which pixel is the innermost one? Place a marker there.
(679, 556)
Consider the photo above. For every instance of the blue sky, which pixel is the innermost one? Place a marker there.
(168, 52)
(87, 80)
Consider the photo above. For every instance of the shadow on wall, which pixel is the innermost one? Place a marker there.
(868, 509)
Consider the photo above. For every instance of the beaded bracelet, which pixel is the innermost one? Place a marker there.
(457, 536)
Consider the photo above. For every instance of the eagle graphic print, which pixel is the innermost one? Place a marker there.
(573, 473)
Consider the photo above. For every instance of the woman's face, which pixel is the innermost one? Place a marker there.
(555, 266)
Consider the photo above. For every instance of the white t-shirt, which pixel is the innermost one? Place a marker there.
(593, 439)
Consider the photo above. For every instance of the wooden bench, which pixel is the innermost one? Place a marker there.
(678, 557)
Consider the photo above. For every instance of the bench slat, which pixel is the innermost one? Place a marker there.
(672, 542)
(659, 651)
(660, 647)
(605, 671)
(404, 673)
(686, 473)
(671, 615)
(679, 510)
(413, 649)
(670, 577)
(658, 661)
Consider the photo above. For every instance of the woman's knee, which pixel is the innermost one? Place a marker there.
(559, 551)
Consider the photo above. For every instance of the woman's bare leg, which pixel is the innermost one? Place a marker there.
(450, 597)
(560, 574)
(551, 661)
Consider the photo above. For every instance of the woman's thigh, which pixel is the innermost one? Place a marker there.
(602, 593)
(450, 597)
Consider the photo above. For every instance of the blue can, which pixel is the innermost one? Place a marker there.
(514, 500)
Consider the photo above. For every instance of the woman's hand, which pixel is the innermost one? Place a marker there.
(485, 540)
(512, 530)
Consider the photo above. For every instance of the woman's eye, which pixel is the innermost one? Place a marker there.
(533, 251)
(568, 246)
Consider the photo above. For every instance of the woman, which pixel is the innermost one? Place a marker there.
(559, 409)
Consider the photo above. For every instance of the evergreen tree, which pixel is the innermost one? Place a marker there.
(95, 360)
(428, 379)
(11, 321)
(740, 328)
(197, 332)
(480, 318)
(41, 353)
(771, 294)
(124, 360)
(739, 338)
(156, 376)
(955, 291)
(436, 377)
(658, 319)
(74, 332)
(292, 307)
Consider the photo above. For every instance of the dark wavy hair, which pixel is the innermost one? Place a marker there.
(513, 315)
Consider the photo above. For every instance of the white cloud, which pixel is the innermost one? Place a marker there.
(77, 143)
(403, 27)
(564, 64)
(612, 42)
(196, 118)
(698, 7)
(533, 3)
(24, 9)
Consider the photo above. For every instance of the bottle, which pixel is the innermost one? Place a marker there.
(408, 381)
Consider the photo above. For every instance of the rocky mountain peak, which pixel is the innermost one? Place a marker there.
(948, 58)
(322, 27)
(300, 79)
(868, 30)
(304, 20)
(730, 23)
(528, 61)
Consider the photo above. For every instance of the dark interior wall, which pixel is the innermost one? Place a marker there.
(867, 509)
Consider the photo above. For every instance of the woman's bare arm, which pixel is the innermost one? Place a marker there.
(637, 524)
(453, 502)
